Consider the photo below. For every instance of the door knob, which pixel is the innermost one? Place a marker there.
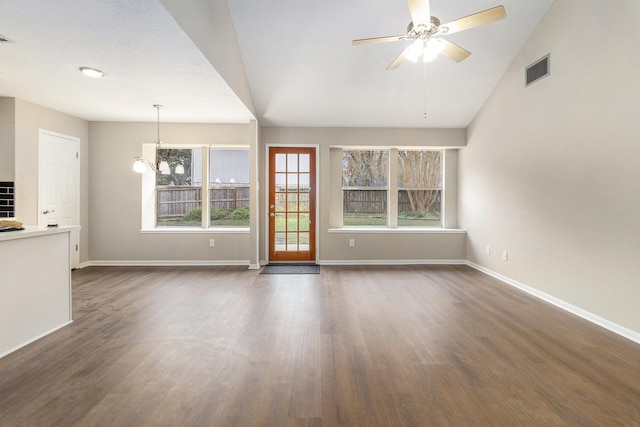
(46, 211)
(272, 206)
(272, 214)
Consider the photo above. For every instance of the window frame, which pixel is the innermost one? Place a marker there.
(386, 187)
(392, 192)
(401, 188)
(149, 193)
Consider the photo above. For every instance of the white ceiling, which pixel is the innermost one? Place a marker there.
(298, 57)
(147, 58)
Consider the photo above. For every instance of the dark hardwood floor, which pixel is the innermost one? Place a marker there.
(352, 346)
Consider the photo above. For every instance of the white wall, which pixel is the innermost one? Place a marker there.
(551, 171)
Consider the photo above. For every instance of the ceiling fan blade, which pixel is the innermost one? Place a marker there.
(453, 51)
(475, 20)
(396, 62)
(377, 40)
(420, 12)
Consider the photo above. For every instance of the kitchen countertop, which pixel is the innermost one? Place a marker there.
(34, 231)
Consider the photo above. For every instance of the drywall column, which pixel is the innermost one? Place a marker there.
(254, 211)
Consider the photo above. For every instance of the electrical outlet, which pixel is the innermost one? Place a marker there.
(352, 243)
(505, 256)
(487, 250)
(212, 243)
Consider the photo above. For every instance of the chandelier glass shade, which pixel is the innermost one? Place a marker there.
(161, 164)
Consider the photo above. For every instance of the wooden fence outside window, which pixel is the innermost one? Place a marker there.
(375, 201)
(173, 202)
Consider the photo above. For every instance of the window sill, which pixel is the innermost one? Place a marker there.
(386, 230)
(194, 230)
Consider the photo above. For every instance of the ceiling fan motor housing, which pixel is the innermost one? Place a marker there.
(424, 32)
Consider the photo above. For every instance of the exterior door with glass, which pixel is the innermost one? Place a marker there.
(292, 200)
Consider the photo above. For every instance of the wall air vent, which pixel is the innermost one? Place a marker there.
(538, 70)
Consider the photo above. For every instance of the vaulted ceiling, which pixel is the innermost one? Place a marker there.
(300, 65)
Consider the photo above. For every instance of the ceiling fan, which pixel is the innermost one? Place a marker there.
(425, 31)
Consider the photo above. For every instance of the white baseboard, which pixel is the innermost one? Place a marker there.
(394, 262)
(166, 263)
(18, 347)
(611, 326)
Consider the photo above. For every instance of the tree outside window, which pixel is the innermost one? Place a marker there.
(364, 187)
(419, 187)
(179, 201)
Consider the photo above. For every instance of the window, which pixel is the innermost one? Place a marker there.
(419, 188)
(214, 178)
(229, 187)
(413, 198)
(365, 187)
(179, 196)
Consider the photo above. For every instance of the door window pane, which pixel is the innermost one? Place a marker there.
(305, 165)
(292, 242)
(304, 202)
(280, 243)
(281, 162)
(292, 163)
(292, 182)
(281, 222)
(293, 201)
(280, 202)
(305, 183)
(303, 222)
(304, 241)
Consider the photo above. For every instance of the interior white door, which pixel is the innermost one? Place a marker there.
(59, 185)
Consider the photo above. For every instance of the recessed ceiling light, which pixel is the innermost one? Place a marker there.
(91, 72)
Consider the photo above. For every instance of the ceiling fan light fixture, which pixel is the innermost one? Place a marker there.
(423, 27)
(415, 50)
(432, 49)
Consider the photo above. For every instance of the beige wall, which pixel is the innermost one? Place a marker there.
(115, 196)
(392, 246)
(7, 138)
(29, 119)
(551, 171)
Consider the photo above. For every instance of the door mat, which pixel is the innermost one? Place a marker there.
(291, 269)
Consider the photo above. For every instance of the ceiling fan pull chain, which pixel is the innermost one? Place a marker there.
(425, 90)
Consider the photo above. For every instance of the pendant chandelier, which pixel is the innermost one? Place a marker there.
(161, 165)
